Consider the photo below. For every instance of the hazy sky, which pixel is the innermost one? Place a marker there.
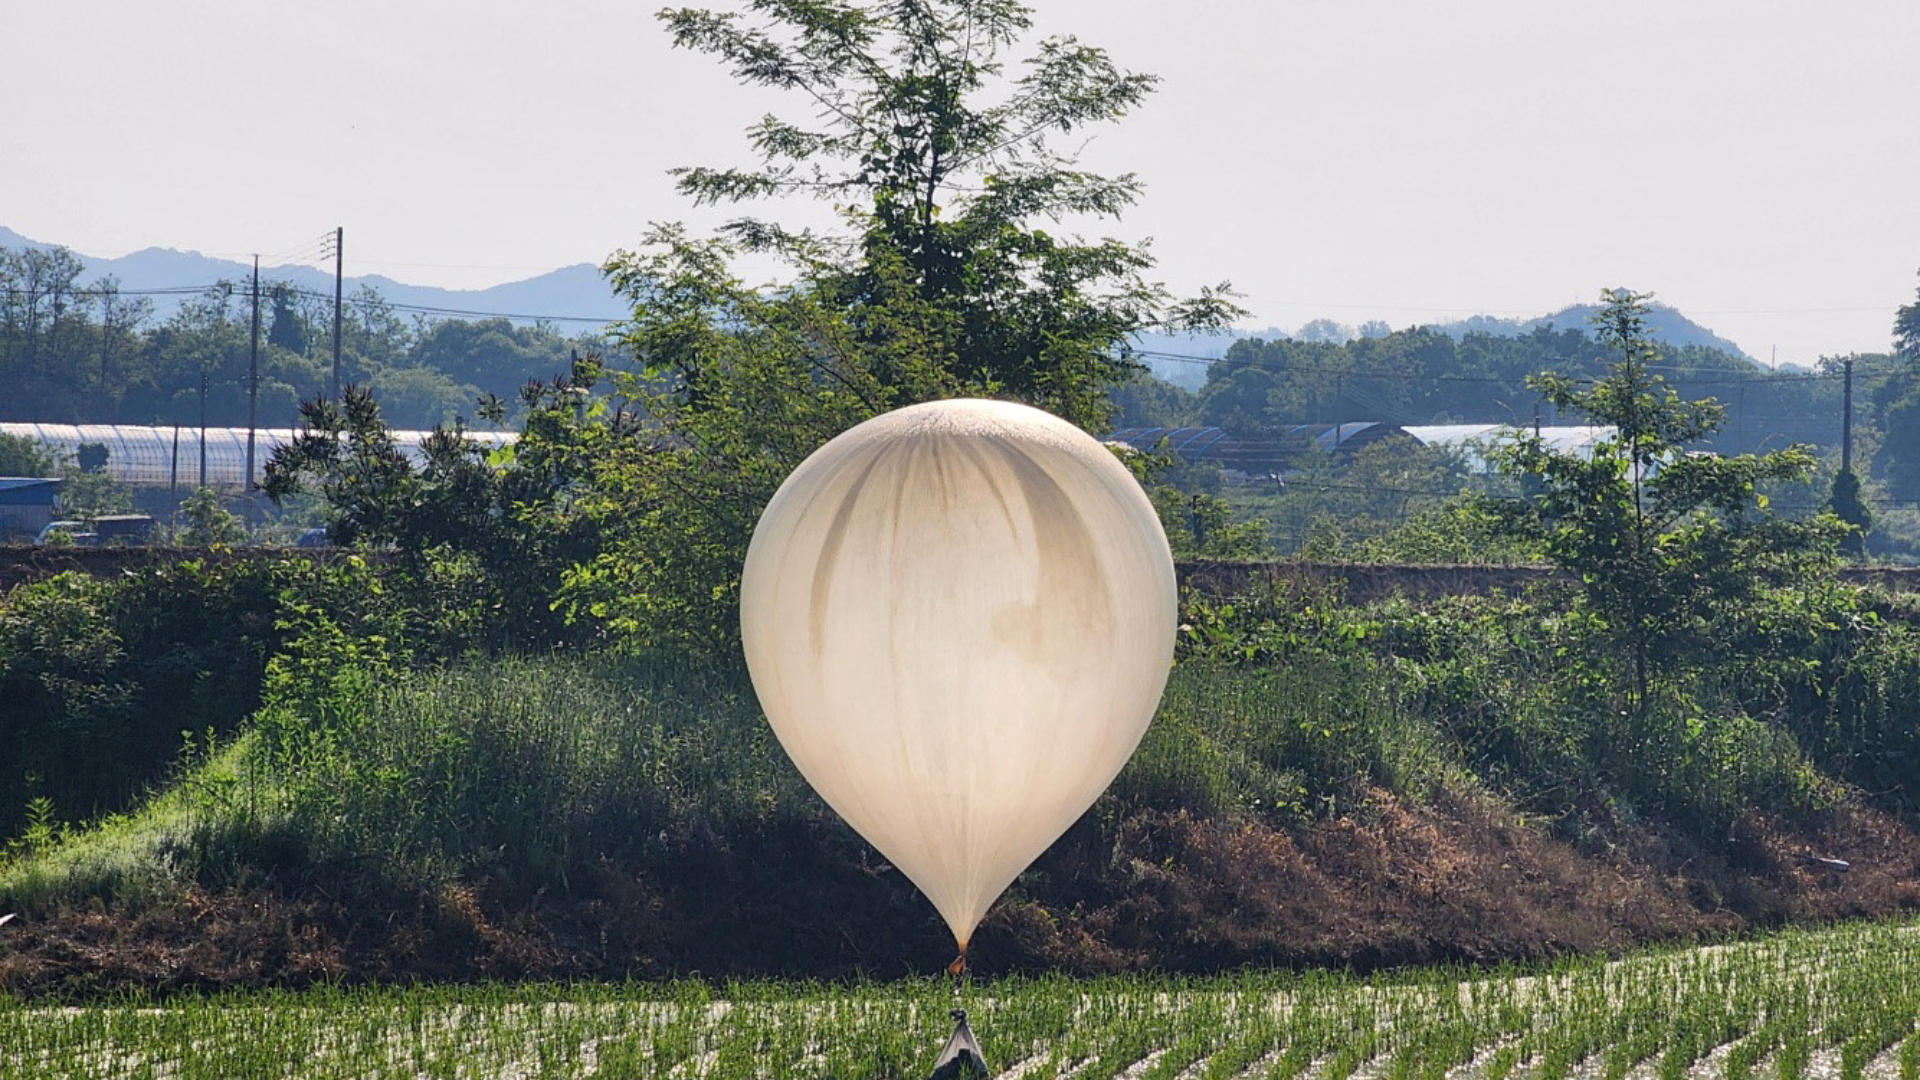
(1754, 162)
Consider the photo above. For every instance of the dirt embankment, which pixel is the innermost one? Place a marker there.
(1385, 884)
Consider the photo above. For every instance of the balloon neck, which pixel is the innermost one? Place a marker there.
(959, 965)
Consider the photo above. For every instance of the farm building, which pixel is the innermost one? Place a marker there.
(26, 505)
(171, 457)
(1255, 457)
(1474, 441)
(1273, 456)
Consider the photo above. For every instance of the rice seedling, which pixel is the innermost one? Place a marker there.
(1784, 1006)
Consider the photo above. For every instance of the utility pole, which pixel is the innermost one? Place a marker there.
(253, 386)
(1846, 419)
(339, 237)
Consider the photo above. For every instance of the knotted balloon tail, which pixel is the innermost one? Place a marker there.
(959, 965)
(961, 1057)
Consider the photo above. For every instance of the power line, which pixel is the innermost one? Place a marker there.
(94, 291)
(429, 309)
(97, 291)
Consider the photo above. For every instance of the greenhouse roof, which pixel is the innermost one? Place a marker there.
(1475, 441)
(1266, 456)
(1568, 438)
(166, 456)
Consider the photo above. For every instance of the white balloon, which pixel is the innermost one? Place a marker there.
(959, 618)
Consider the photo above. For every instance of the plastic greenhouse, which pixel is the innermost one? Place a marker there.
(171, 456)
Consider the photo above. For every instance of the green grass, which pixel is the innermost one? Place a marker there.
(1777, 1002)
(552, 764)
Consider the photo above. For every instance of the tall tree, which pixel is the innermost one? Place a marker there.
(1906, 330)
(942, 183)
(1662, 541)
(949, 279)
(120, 319)
(38, 294)
(288, 331)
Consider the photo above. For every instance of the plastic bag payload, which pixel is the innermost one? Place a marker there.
(959, 618)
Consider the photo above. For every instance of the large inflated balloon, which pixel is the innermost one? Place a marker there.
(959, 617)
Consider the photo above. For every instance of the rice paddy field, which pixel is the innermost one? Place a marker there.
(1838, 1002)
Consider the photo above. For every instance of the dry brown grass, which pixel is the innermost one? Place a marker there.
(1385, 885)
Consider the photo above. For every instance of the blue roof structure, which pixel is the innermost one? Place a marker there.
(27, 491)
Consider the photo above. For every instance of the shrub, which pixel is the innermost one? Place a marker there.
(101, 675)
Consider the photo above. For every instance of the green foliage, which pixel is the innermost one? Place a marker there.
(528, 767)
(944, 286)
(1519, 696)
(493, 355)
(1286, 741)
(1665, 543)
(1840, 670)
(1332, 504)
(1145, 401)
(425, 397)
(741, 385)
(22, 456)
(945, 181)
(1327, 506)
(487, 531)
(1466, 529)
(1422, 375)
(86, 489)
(88, 495)
(48, 340)
(1199, 523)
(100, 676)
(1906, 330)
(1845, 504)
(89, 354)
(1896, 406)
(286, 331)
(1800, 998)
(205, 523)
(42, 830)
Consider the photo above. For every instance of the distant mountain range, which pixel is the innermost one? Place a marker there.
(573, 297)
(1667, 325)
(578, 298)
(1178, 355)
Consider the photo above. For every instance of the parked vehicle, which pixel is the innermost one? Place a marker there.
(67, 532)
(107, 529)
(124, 528)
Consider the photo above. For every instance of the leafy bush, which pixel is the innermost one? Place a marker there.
(101, 675)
